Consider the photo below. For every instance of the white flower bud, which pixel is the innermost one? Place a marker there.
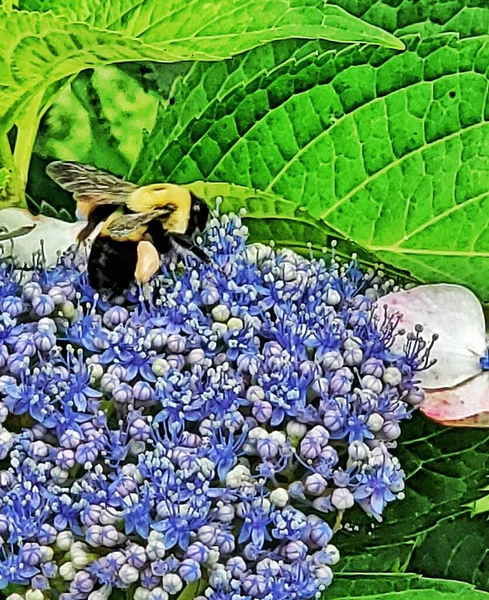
(68, 309)
(237, 476)
(46, 324)
(279, 497)
(258, 252)
(352, 343)
(372, 383)
(14, 597)
(214, 556)
(221, 313)
(375, 422)
(358, 450)
(332, 297)
(108, 516)
(391, 430)
(342, 499)
(324, 574)
(3, 415)
(47, 553)
(34, 595)
(195, 357)
(333, 554)
(332, 361)
(255, 393)
(79, 558)
(59, 475)
(278, 437)
(353, 357)
(235, 323)
(141, 593)
(64, 540)
(158, 593)
(392, 376)
(128, 574)
(67, 571)
(6, 443)
(206, 427)
(96, 371)
(100, 594)
(258, 433)
(160, 366)
(172, 583)
(136, 447)
(296, 430)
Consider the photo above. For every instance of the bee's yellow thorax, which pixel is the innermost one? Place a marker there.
(152, 197)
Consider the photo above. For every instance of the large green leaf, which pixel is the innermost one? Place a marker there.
(422, 16)
(390, 150)
(40, 49)
(220, 28)
(431, 530)
(46, 47)
(364, 586)
(271, 219)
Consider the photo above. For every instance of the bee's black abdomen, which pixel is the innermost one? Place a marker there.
(111, 265)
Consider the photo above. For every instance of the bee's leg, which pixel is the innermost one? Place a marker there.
(148, 262)
(188, 244)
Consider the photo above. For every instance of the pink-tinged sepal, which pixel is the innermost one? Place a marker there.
(451, 312)
(459, 405)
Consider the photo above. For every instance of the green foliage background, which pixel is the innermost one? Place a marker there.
(381, 147)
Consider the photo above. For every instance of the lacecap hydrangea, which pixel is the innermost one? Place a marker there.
(210, 432)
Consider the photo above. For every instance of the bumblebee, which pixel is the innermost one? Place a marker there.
(137, 225)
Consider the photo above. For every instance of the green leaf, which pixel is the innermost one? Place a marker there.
(5, 177)
(190, 591)
(273, 219)
(364, 586)
(101, 121)
(220, 28)
(39, 49)
(422, 16)
(430, 531)
(399, 140)
(481, 505)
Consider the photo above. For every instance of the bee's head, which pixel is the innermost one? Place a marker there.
(199, 213)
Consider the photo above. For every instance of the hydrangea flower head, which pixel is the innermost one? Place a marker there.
(192, 431)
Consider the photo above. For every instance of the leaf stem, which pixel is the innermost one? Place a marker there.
(27, 127)
(7, 160)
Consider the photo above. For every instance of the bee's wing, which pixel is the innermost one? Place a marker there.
(125, 225)
(88, 184)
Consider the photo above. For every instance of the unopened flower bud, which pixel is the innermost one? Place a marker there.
(128, 574)
(324, 575)
(372, 383)
(221, 313)
(342, 499)
(67, 571)
(279, 497)
(391, 430)
(64, 540)
(392, 376)
(332, 297)
(315, 484)
(160, 367)
(172, 583)
(358, 450)
(235, 323)
(141, 593)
